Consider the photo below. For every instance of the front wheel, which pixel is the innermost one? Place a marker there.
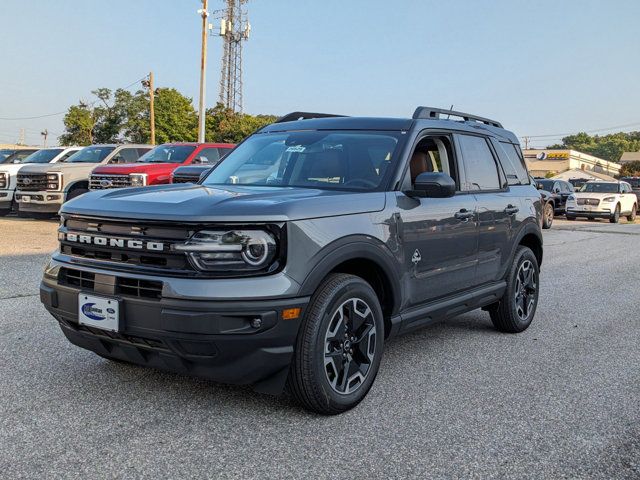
(615, 218)
(339, 346)
(515, 310)
(547, 216)
(632, 216)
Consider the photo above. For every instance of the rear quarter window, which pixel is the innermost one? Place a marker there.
(512, 162)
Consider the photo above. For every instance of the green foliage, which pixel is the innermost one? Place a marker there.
(550, 174)
(631, 169)
(122, 116)
(223, 125)
(608, 147)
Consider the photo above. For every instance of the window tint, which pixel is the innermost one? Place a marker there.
(142, 151)
(480, 167)
(211, 154)
(512, 163)
(129, 155)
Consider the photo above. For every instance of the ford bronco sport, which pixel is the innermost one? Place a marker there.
(312, 243)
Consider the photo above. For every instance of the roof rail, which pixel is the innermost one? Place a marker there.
(434, 113)
(293, 116)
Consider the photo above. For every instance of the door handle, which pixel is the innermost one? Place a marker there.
(510, 210)
(464, 214)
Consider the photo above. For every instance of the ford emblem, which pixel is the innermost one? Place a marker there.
(105, 183)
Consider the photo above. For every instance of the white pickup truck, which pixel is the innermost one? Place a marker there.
(9, 171)
(599, 199)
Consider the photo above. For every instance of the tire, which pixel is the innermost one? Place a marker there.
(76, 193)
(515, 311)
(615, 218)
(571, 217)
(632, 216)
(547, 216)
(317, 378)
(4, 212)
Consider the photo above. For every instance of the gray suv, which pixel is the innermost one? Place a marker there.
(312, 243)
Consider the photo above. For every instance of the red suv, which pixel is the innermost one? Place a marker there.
(155, 167)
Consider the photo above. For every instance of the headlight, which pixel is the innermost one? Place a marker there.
(138, 179)
(609, 199)
(232, 250)
(4, 179)
(54, 181)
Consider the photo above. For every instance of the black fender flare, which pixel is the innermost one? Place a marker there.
(76, 184)
(350, 248)
(530, 227)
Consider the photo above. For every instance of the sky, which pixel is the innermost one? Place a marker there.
(540, 68)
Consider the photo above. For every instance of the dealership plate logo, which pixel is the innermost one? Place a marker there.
(93, 312)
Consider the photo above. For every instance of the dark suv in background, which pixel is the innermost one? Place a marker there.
(313, 242)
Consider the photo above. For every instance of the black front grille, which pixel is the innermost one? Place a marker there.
(127, 287)
(135, 287)
(32, 182)
(101, 182)
(588, 201)
(186, 178)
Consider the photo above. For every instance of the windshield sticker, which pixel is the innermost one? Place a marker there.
(296, 149)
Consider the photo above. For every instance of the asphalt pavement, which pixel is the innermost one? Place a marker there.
(455, 400)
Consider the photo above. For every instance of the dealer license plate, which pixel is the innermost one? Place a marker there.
(99, 312)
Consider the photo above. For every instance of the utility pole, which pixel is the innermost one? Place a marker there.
(44, 133)
(526, 143)
(203, 66)
(152, 114)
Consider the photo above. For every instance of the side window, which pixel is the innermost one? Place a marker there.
(433, 154)
(66, 155)
(223, 151)
(142, 151)
(210, 154)
(512, 162)
(129, 154)
(556, 187)
(480, 167)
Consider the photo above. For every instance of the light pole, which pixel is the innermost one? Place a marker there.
(203, 66)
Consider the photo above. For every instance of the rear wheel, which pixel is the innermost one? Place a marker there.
(515, 310)
(339, 346)
(615, 218)
(547, 216)
(632, 216)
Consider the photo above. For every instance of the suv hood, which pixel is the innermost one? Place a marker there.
(197, 203)
(60, 167)
(593, 194)
(125, 168)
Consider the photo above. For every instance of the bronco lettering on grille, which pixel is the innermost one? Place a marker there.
(112, 242)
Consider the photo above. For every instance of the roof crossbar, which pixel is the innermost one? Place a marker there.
(293, 116)
(434, 113)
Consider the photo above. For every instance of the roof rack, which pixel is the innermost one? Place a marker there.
(434, 113)
(293, 116)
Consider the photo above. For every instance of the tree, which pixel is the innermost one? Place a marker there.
(176, 119)
(631, 169)
(226, 126)
(78, 123)
(608, 147)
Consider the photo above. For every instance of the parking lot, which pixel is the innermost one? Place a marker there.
(561, 400)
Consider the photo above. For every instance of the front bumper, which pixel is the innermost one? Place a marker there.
(44, 201)
(212, 339)
(6, 199)
(589, 212)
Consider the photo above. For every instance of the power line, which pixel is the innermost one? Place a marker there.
(560, 135)
(65, 111)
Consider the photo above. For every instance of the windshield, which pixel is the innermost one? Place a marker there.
(634, 182)
(595, 187)
(332, 160)
(546, 184)
(43, 156)
(5, 153)
(17, 156)
(90, 155)
(168, 154)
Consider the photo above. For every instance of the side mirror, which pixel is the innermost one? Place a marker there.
(433, 185)
(200, 160)
(203, 175)
(539, 186)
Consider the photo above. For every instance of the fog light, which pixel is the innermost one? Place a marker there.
(256, 323)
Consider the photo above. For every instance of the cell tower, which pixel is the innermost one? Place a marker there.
(234, 29)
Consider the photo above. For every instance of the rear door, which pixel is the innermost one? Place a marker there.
(495, 205)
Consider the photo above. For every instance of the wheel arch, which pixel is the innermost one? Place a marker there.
(530, 236)
(366, 258)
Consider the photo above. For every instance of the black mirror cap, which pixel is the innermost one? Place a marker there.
(433, 185)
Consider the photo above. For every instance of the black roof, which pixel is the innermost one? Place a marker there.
(342, 123)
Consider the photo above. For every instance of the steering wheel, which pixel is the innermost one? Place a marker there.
(361, 181)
